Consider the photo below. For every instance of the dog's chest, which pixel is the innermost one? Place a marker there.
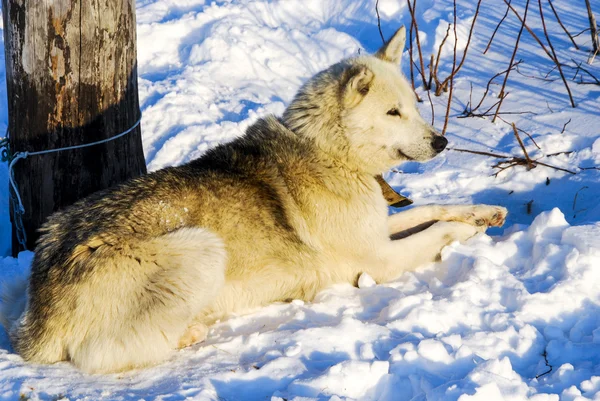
(353, 224)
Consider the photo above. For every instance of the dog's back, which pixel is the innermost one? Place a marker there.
(118, 276)
(122, 277)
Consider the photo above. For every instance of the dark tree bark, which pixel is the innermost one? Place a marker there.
(71, 80)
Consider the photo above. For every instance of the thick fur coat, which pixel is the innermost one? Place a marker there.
(123, 277)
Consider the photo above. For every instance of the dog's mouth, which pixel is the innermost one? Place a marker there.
(401, 155)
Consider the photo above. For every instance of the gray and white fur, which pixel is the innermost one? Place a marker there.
(125, 276)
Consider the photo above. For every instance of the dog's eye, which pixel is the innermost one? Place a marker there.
(394, 112)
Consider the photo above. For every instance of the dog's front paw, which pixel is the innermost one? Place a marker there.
(484, 216)
(451, 231)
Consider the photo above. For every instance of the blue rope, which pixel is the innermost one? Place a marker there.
(19, 209)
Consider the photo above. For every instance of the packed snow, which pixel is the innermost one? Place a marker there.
(512, 315)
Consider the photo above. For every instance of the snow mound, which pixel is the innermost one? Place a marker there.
(513, 317)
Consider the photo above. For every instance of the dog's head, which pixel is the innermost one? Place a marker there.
(379, 113)
(363, 110)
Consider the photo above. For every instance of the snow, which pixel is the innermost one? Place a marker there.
(512, 315)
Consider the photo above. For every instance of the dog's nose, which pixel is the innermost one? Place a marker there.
(439, 143)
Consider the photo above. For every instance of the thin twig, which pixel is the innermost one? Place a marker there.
(502, 113)
(581, 33)
(561, 24)
(512, 59)
(455, 69)
(470, 104)
(529, 163)
(451, 75)
(576, 195)
(412, 9)
(554, 167)
(410, 53)
(502, 168)
(485, 113)
(529, 29)
(432, 108)
(415, 91)
(478, 152)
(568, 152)
(512, 159)
(554, 54)
(379, 21)
(530, 137)
(487, 89)
(550, 72)
(496, 30)
(580, 68)
(534, 77)
(430, 71)
(437, 60)
(565, 126)
(524, 132)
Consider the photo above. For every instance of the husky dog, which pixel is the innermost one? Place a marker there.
(124, 276)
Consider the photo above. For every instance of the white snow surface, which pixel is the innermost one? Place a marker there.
(513, 315)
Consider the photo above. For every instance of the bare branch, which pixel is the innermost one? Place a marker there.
(568, 152)
(451, 75)
(430, 101)
(580, 68)
(455, 69)
(379, 21)
(477, 152)
(554, 54)
(512, 59)
(524, 132)
(487, 89)
(565, 126)
(581, 33)
(561, 24)
(529, 163)
(496, 30)
(534, 77)
(575, 200)
(412, 9)
(529, 29)
(437, 60)
(512, 160)
(410, 54)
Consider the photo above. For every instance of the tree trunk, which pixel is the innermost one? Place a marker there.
(71, 78)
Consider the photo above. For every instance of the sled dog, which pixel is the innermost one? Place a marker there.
(123, 277)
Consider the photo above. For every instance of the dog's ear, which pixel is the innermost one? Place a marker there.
(357, 82)
(392, 50)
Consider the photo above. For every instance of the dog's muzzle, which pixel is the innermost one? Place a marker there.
(439, 143)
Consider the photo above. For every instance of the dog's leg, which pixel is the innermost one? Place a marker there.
(302, 277)
(418, 249)
(145, 312)
(423, 216)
